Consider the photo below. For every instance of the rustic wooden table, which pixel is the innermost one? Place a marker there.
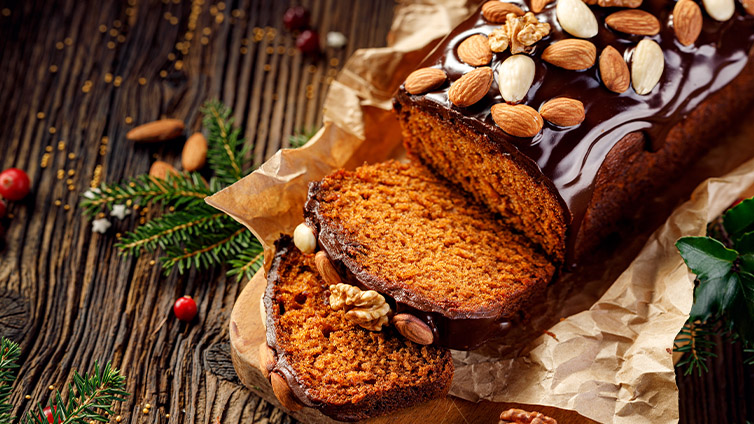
(73, 72)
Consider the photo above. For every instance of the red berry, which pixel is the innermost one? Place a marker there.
(308, 42)
(48, 414)
(185, 308)
(14, 184)
(296, 17)
(3, 208)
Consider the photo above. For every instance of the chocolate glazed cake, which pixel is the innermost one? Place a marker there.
(566, 183)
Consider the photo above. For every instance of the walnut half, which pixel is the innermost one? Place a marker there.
(368, 308)
(519, 32)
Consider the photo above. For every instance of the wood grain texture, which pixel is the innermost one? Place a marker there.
(75, 71)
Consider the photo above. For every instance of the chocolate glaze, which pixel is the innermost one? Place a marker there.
(569, 158)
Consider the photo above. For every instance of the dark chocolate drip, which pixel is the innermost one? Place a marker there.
(570, 157)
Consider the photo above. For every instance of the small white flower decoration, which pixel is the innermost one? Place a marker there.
(120, 211)
(101, 225)
(336, 40)
(92, 192)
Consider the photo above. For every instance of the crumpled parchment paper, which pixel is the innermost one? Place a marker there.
(601, 341)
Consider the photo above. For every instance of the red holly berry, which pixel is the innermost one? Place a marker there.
(185, 308)
(3, 208)
(308, 42)
(296, 17)
(14, 184)
(49, 415)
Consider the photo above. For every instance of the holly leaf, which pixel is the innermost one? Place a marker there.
(713, 296)
(742, 311)
(706, 257)
(739, 218)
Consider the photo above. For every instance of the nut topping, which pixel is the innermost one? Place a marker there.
(303, 238)
(637, 22)
(368, 308)
(687, 21)
(619, 3)
(539, 5)
(413, 329)
(749, 6)
(519, 416)
(720, 10)
(520, 33)
(496, 11)
(266, 359)
(571, 54)
(283, 392)
(576, 18)
(326, 269)
(614, 70)
(517, 120)
(424, 80)
(475, 50)
(471, 87)
(515, 76)
(647, 65)
(563, 111)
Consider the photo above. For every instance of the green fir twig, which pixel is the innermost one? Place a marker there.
(226, 151)
(9, 354)
(302, 137)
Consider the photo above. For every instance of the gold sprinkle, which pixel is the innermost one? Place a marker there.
(221, 5)
(244, 50)
(281, 50)
(152, 262)
(167, 415)
(173, 21)
(71, 172)
(113, 32)
(244, 41)
(61, 174)
(102, 150)
(40, 115)
(27, 397)
(189, 36)
(108, 77)
(51, 387)
(118, 418)
(171, 56)
(104, 139)
(71, 155)
(68, 41)
(86, 88)
(236, 13)
(58, 203)
(132, 184)
(110, 45)
(71, 187)
(147, 406)
(117, 81)
(129, 120)
(142, 221)
(61, 145)
(117, 23)
(128, 202)
(267, 68)
(53, 68)
(311, 69)
(103, 28)
(219, 18)
(67, 207)
(204, 41)
(130, 11)
(48, 149)
(6, 12)
(334, 61)
(271, 32)
(52, 130)
(59, 45)
(11, 216)
(179, 64)
(269, 50)
(97, 176)
(136, 207)
(171, 209)
(69, 181)
(142, 81)
(118, 235)
(213, 10)
(163, 73)
(291, 51)
(121, 38)
(167, 16)
(45, 160)
(101, 215)
(206, 31)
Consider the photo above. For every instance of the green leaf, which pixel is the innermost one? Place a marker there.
(706, 257)
(745, 243)
(713, 296)
(739, 218)
(742, 312)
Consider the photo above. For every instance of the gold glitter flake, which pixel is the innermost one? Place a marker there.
(61, 174)
(58, 202)
(48, 149)
(68, 41)
(40, 115)
(71, 172)
(52, 130)
(104, 139)
(45, 160)
(53, 68)
(108, 77)
(117, 23)
(71, 156)
(110, 45)
(61, 145)
(59, 45)
(103, 28)
(142, 81)
(129, 120)
(171, 56)
(117, 81)
(113, 32)
(67, 207)
(5, 12)
(163, 73)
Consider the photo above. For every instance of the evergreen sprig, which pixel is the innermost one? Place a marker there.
(226, 151)
(723, 262)
(9, 354)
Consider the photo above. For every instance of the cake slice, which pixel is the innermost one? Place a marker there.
(318, 358)
(452, 269)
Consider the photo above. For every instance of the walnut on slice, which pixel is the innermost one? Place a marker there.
(367, 308)
(519, 33)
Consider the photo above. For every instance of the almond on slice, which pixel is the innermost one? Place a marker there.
(283, 392)
(748, 6)
(495, 11)
(614, 70)
(266, 359)
(413, 329)
(687, 21)
(475, 50)
(517, 120)
(576, 18)
(514, 76)
(326, 269)
(571, 54)
(539, 5)
(633, 21)
(194, 154)
(647, 65)
(424, 80)
(720, 10)
(563, 111)
(471, 87)
(161, 170)
(619, 3)
(161, 130)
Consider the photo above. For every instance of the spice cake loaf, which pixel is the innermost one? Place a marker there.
(562, 118)
(316, 357)
(453, 272)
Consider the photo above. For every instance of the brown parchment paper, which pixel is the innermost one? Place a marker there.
(600, 341)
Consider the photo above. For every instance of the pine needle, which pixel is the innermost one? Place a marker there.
(9, 354)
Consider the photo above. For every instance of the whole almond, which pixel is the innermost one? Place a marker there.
(475, 50)
(576, 18)
(517, 120)
(194, 154)
(164, 129)
(514, 77)
(563, 111)
(749, 6)
(633, 21)
(326, 269)
(614, 70)
(687, 21)
(424, 80)
(619, 3)
(571, 54)
(283, 392)
(495, 11)
(720, 10)
(266, 359)
(413, 329)
(471, 87)
(539, 5)
(647, 65)
(161, 170)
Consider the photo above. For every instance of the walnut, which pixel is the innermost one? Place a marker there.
(365, 308)
(519, 32)
(519, 416)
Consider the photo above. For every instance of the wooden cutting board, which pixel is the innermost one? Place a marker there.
(247, 333)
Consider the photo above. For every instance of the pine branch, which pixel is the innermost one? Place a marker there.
(247, 262)
(9, 354)
(226, 151)
(695, 341)
(301, 137)
(210, 250)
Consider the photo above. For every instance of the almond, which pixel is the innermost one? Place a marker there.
(471, 87)
(514, 76)
(647, 65)
(283, 392)
(495, 11)
(720, 10)
(326, 269)
(539, 5)
(424, 80)
(475, 50)
(517, 120)
(571, 54)
(413, 329)
(749, 6)
(576, 18)
(687, 21)
(161, 170)
(619, 3)
(614, 70)
(266, 359)
(563, 111)
(164, 129)
(637, 22)
(194, 154)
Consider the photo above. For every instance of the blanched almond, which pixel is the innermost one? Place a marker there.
(194, 154)
(576, 18)
(475, 50)
(424, 80)
(636, 22)
(304, 239)
(495, 11)
(687, 21)
(161, 170)
(283, 392)
(571, 54)
(517, 120)
(164, 129)
(614, 70)
(563, 111)
(720, 10)
(647, 65)
(471, 87)
(514, 77)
